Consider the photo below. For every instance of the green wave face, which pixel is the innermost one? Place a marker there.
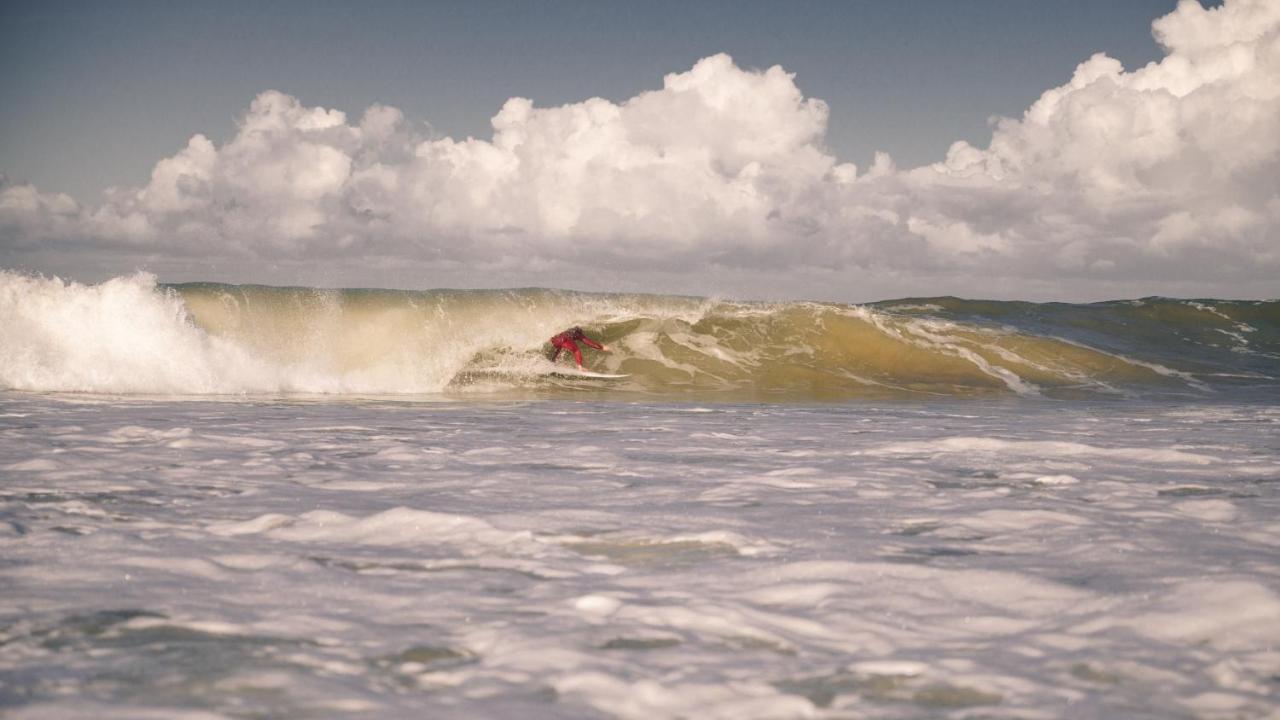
(392, 342)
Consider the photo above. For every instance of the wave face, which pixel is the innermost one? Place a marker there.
(131, 335)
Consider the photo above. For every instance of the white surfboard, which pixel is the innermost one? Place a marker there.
(586, 375)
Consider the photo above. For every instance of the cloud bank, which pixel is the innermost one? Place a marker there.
(1157, 177)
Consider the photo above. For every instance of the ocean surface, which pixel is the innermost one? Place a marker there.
(244, 502)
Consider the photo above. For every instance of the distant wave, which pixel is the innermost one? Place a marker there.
(132, 335)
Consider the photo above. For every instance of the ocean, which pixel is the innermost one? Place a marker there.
(223, 501)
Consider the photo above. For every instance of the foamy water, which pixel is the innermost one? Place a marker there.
(949, 558)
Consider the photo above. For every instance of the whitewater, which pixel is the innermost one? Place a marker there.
(222, 501)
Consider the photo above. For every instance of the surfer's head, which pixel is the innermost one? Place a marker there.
(577, 333)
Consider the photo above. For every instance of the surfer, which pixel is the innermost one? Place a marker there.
(568, 341)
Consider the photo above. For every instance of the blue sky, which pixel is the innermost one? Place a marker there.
(95, 93)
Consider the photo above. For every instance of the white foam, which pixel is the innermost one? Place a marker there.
(598, 605)
(398, 526)
(121, 336)
(1228, 614)
(1041, 449)
(1056, 480)
(1209, 510)
(34, 465)
(899, 668)
(1012, 521)
(87, 710)
(646, 699)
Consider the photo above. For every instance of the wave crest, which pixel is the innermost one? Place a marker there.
(132, 335)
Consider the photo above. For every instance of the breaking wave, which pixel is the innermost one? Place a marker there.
(132, 335)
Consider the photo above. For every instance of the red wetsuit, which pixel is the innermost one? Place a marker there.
(566, 341)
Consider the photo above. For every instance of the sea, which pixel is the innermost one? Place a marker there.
(229, 501)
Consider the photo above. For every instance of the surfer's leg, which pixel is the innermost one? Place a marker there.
(577, 354)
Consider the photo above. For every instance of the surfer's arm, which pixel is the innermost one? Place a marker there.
(593, 343)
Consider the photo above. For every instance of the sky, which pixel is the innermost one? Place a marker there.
(752, 149)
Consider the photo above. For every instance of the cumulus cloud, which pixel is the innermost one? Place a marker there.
(1166, 173)
(1160, 167)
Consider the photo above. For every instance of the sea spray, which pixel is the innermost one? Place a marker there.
(122, 336)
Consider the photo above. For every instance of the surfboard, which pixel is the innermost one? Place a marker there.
(585, 375)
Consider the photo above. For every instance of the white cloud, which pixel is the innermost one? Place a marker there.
(1165, 174)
